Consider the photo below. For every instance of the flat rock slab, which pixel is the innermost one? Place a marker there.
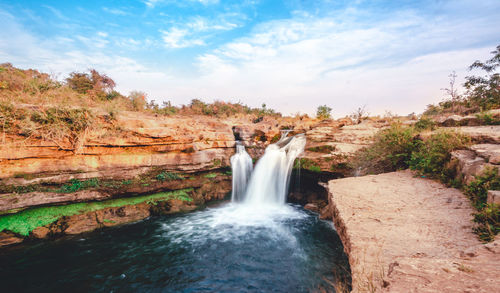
(408, 234)
(482, 134)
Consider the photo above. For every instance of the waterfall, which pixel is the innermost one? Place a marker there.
(270, 179)
(241, 166)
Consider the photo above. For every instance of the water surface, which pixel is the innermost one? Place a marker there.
(230, 248)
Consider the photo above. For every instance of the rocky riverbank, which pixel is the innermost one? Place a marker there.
(408, 234)
(138, 154)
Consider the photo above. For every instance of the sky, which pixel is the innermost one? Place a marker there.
(291, 55)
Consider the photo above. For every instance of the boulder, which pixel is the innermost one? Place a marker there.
(40, 232)
(488, 151)
(469, 165)
(121, 215)
(493, 197)
(457, 120)
(312, 207)
(79, 223)
(7, 238)
(482, 134)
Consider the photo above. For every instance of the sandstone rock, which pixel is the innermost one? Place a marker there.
(121, 215)
(31, 199)
(396, 218)
(7, 238)
(312, 207)
(468, 164)
(40, 232)
(491, 152)
(107, 217)
(79, 223)
(456, 120)
(482, 134)
(326, 213)
(493, 197)
(345, 138)
(494, 246)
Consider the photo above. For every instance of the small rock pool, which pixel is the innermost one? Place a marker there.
(228, 248)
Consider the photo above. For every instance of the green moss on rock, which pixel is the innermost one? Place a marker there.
(26, 221)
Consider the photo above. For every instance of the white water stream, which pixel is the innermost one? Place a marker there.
(241, 165)
(268, 183)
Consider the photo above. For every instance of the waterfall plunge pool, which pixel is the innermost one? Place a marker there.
(256, 243)
(228, 248)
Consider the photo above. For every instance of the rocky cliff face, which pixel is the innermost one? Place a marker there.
(134, 154)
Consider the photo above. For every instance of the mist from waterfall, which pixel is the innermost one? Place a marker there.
(268, 183)
(241, 166)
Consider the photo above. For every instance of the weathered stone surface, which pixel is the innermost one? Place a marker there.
(25, 200)
(488, 151)
(469, 165)
(456, 120)
(40, 232)
(104, 218)
(79, 223)
(482, 134)
(7, 238)
(312, 207)
(493, 196)
(345, 139)
(408, 234)
(126, 214)
(205, 189)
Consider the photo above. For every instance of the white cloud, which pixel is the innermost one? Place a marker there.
(56, 12)
(202, 24)
(153, 3)
(194, 32)
(208, 2)
(398, 63)
(58, 56)
(115, 11)
(178, 38)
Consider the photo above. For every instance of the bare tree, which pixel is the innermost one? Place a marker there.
(359, 114)
(452, 91)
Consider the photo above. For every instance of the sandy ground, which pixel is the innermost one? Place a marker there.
(408, 234)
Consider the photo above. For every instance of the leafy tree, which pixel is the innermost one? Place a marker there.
(138, 100)
(80, 82)
(323, 112)
(484, 91)
(101, 82)
(93, 83)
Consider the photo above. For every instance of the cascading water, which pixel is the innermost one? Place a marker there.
(269, 181)
(256, 244)
(241, 166)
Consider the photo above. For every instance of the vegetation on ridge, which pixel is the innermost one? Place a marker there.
(402, 147)
(36, 106)
(482, 92)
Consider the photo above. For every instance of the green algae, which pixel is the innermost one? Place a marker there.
(26, 221)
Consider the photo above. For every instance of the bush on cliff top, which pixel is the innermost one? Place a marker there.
(96, 90)
(26, 221)
(488, 215)
(390, 151)
(432, 154)
(400, 147)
